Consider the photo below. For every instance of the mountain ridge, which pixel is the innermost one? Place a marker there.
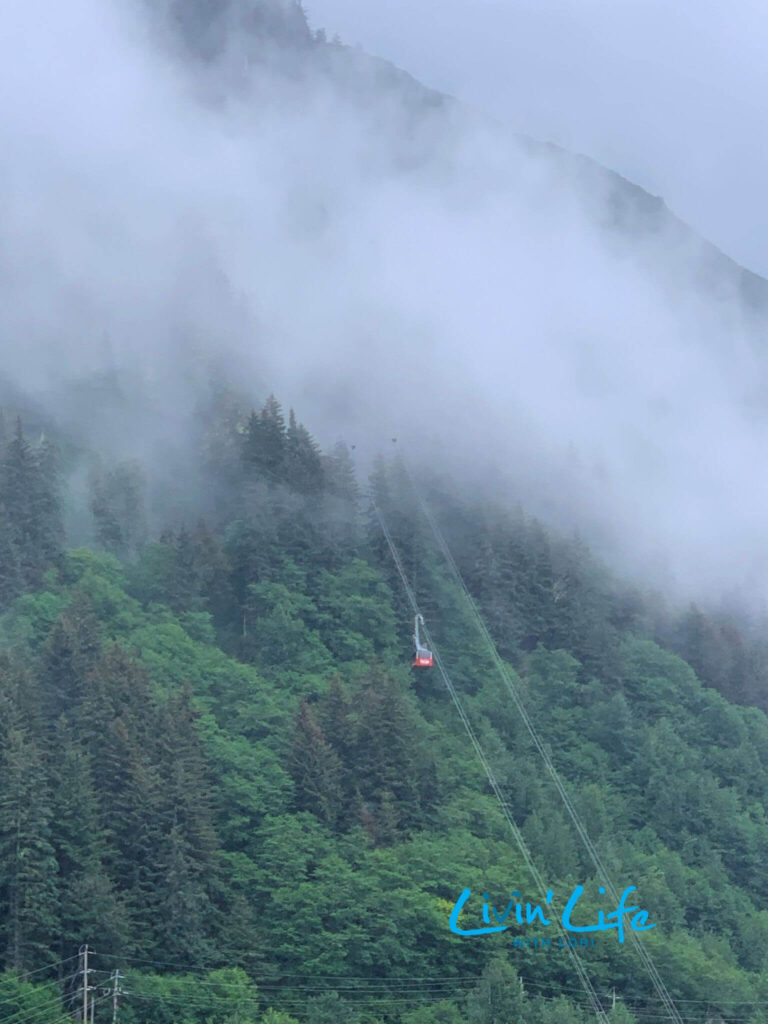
(630, 209)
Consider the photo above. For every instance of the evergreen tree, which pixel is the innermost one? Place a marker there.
(252, 448)
(119, 723)
(339, 473)
(386, 758)
(47, 498)
(387, 821)
(184, 586)
(19, 482)
(316, 769)
(220, 437)
(31, 509)
(11, 571)
(213, 570)
(91, 910)
(537, 593)
(303, 465)
(337, 724)
(498, 998)
(189, 855)
(341, 507)
(252, 550)
(29, 896)
(705, 649)
(69, 654)
(330, 1008)
(117, 505)
(272, 440)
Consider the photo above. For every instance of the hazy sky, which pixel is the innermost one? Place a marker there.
(671, 94)
(160, 217)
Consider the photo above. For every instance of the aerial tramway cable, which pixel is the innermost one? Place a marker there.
(639, 946)
(579, 966)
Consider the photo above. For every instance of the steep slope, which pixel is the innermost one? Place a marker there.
(216, 756)
(276, 34)
(218, 770)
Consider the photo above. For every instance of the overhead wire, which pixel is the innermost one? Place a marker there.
(27, 1016)
(480, 753)
(403, 991)
(47, 967)
(276, 980)
(637, 942)
(22, 1016)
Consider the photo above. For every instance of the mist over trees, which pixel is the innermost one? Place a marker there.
(218, 770)
(298, 216)
(214, 755)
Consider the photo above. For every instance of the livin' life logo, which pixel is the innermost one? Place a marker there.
(532, 914)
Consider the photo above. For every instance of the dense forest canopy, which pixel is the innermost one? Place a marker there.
(220, 773)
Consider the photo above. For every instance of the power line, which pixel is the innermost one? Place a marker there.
(22, 1016)
(583, 976)
(645, 956)
(48, 967)
(373, 993)
(277, 981)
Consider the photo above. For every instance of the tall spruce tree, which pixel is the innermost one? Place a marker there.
(341, 480)
(11, 571)
(189, 853)
(31, 507)
(91, 909)
(48, 510)
(117, 506)
(303, 464)
(29, 884)
(273, 440)
(70, 652)
(386, 756)
(316, 769)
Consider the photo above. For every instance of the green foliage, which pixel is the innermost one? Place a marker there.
(499, 998)
(224, 996)
(213, 752)
(279, 634)
(28, 891)
(562, 1011)
(22, 1000)
(117, 505)
(278, 1017)
(317, 770)
(442, 1012)
(31, 530)
(331, 1009)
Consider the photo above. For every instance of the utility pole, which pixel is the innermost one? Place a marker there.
(613, 1004)
(115, 994)
(84, 960)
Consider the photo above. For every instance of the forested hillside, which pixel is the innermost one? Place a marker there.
(226, 797)
(220, 772)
